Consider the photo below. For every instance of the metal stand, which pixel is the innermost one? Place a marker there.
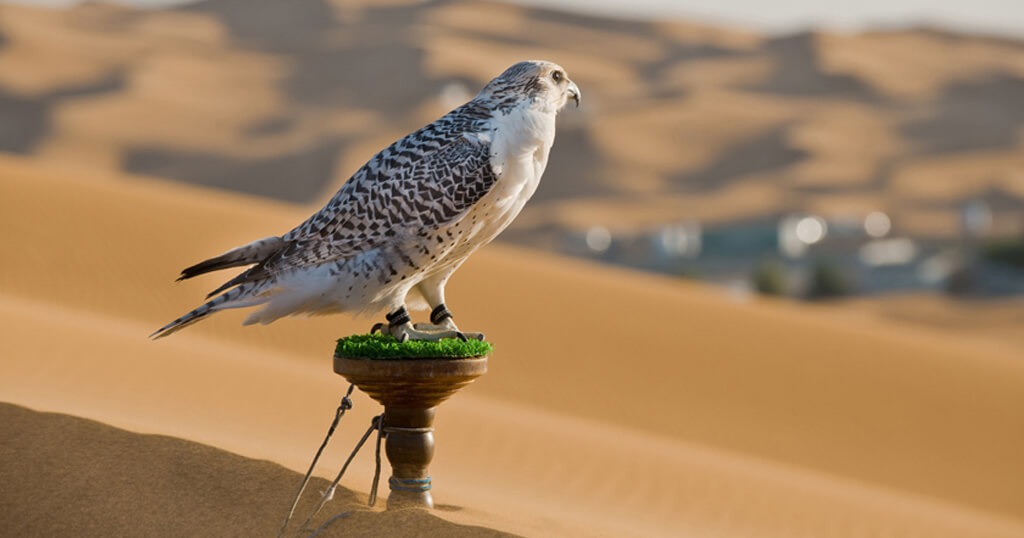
(410, 390)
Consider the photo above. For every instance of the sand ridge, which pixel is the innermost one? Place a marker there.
(104, 488)
(235, 97)
(497, 457)
(700, 415)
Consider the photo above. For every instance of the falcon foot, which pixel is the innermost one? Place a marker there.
(444, 329)
(433, 333)
(441, 321)
(400, 326)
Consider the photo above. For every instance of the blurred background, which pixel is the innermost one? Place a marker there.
(869, 154)
(772, 283)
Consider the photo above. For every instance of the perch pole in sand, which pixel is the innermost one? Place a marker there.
(410, 391)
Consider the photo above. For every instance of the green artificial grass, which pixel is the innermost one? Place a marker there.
(378, 346)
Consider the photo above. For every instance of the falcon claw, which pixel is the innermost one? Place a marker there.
(403, 330)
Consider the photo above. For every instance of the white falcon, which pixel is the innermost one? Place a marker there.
(398, 229)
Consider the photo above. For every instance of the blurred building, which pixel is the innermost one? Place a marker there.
(867, 253)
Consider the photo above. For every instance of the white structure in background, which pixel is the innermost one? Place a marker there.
(885, 252)
(896, 251)
(877, 224)
(681, 240)
(796, 233)
(598, 239)
(593, 241)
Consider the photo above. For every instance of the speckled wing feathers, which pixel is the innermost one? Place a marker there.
(425, 180)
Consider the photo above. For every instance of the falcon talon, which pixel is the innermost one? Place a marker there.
(408, 218)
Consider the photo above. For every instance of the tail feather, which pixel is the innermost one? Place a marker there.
(182, 322)
(230, 283)
(254, 252)
(236, 298)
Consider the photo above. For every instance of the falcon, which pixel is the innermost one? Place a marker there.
(397, 230)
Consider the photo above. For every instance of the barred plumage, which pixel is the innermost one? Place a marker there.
(404, 222)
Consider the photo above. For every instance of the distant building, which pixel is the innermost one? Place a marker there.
(864, 250)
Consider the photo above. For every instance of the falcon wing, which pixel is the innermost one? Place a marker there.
(402, 194)
(413, 187)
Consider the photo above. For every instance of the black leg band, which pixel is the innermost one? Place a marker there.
(398, 317)
(440, 314)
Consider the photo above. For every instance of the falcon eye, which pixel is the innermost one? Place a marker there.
(556, 76)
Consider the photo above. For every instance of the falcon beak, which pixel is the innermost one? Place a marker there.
(574, 93)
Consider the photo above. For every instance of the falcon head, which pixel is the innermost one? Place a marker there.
(545, 84)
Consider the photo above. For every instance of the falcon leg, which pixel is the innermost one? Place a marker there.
(400, 326)
(441, 321)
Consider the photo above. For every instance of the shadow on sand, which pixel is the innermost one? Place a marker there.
(68, 476)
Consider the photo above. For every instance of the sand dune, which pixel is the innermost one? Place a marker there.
(616, 403)
(682, 120)
(104, 488)
(497, 461)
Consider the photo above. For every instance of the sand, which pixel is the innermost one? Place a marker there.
(617, 403)
(682, 121)
(621, 404)
(103, 487)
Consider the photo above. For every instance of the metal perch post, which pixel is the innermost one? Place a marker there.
(410, 391)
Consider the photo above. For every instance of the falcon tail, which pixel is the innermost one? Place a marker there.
(254, 252)
(236, 298)
(183, 321)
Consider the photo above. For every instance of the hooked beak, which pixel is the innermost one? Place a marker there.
(574, 93)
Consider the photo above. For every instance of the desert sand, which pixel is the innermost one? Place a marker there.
(134, 143)
(621, 404)
(682, 120)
